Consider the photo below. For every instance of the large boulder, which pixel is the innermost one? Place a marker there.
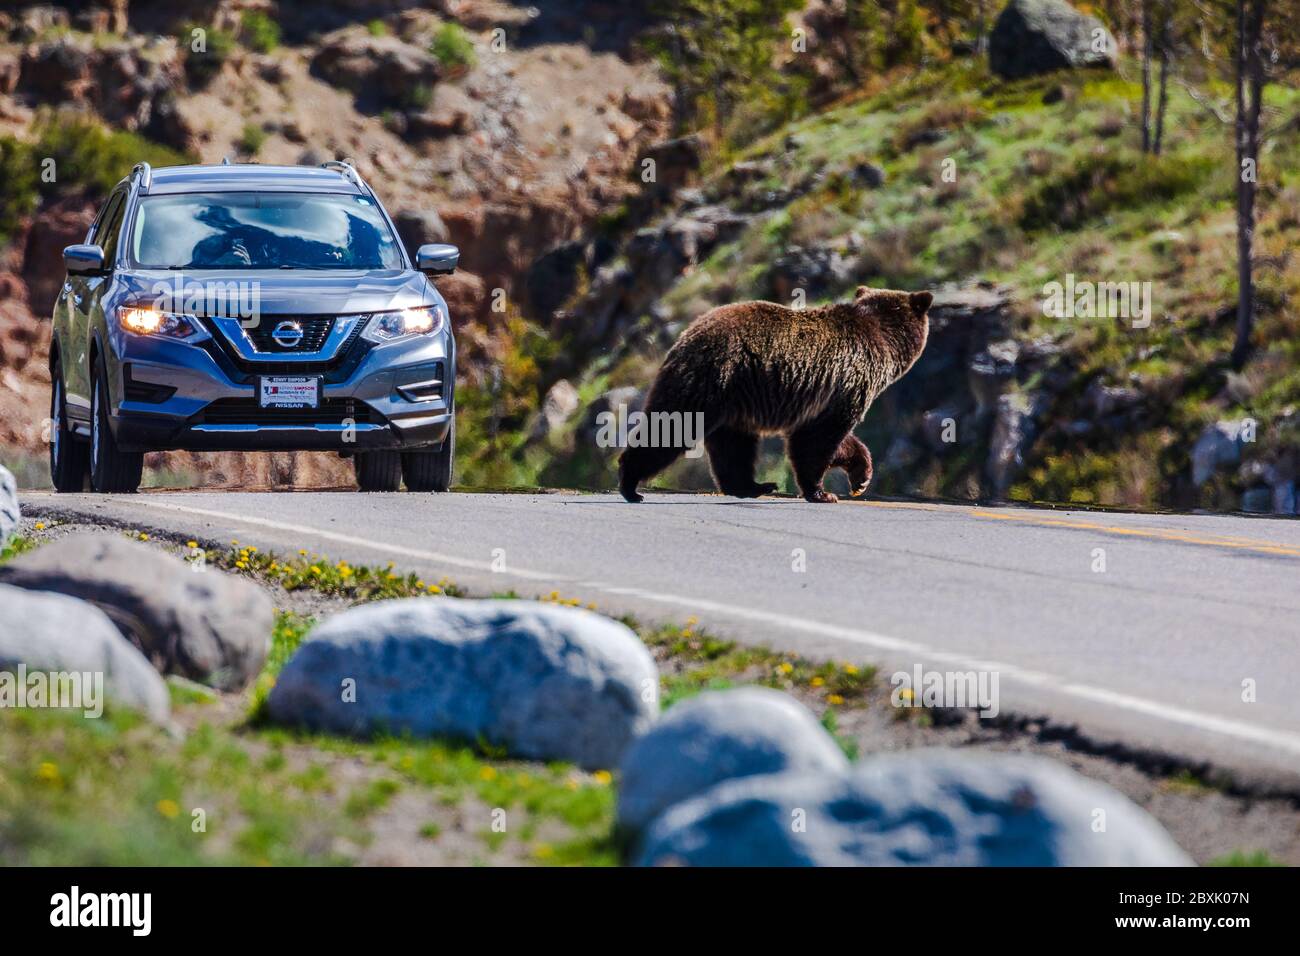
(720, 736)
(544, 682)
(382, 65)
(9, 513)
(1032, 37)
(926, 808)
(189, 620)
(51, 632)
(1218, 446)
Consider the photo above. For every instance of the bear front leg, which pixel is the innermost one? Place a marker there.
(639, 463)
(732, 454)
(855, 458)
(812, 448)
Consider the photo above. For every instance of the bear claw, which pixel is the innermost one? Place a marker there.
(822, 497)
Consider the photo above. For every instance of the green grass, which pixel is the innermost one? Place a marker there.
(259, 31)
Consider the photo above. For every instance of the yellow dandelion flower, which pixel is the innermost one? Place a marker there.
(302, 551)
(906, 694)
(143, 536)
(850, 668)
(40, 526)
(571, 784)
(234, 543)
(692, 621)
(191, 544)
(591, 606)
(47, 773)
(315, 570)
(434, 589)
(817, 682)
(834, 699)
(242, 565)
(603, 777)
(488, 773)
(168, 808)
(543, 851)
(785, 668)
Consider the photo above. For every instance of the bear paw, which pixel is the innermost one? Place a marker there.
(821, 497)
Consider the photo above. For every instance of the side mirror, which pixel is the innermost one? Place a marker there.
(437, 258)
(84, 259)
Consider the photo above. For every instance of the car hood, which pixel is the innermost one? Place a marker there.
(278, 291)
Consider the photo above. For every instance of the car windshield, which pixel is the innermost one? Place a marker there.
(262, 231)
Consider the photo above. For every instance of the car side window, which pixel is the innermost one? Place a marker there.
(108, 233)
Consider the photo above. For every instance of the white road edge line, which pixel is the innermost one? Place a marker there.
(1280, 739)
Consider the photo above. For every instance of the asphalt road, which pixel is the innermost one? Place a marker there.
(1156, 651)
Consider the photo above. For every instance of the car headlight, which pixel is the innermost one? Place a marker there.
(386, 326)
(143, 321)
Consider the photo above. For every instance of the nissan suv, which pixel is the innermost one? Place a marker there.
(251, 308)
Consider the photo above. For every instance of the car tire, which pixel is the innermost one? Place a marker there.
(378, 470)
(69, 455)
(431, 470)
(112, 471)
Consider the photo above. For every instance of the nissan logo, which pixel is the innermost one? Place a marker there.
(287, 334)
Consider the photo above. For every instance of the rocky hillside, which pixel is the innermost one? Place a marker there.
(498, 127)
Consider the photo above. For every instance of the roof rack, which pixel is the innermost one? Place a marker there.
(145, 172)
(348, 171)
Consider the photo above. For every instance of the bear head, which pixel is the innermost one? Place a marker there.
(902, 317)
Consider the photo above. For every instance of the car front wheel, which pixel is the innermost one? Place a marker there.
(431, 470)
(378, 470)
(112, 470)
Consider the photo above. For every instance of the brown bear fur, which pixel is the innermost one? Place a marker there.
(758, 368)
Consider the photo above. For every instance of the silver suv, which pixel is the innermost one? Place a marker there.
(251, 308)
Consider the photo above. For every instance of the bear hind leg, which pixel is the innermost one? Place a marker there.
(854, 458)
(731, 458)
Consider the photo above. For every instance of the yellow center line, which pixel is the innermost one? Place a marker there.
(1218, 541)
(1078, 524)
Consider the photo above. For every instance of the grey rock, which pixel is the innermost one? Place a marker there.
(924, 808)
(420, 226)
(206, 625)
(53, 632)
(1014, 428)
(1219, 446)
(1257, 500)
(940, 423)
(868, 174)
(715, 737)
(991, 371)
(1032, 37)
(9, 513)
(901, 454)
(1284, 498)
(559, 405)
(544, 682)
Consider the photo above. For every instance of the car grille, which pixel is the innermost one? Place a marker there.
(349, 354)
(246, 411)
(315, 330)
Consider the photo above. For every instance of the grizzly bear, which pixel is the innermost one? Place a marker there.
(758, 368)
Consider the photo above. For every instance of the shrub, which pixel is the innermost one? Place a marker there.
(252, 139)
(90, 156)
(259, 31)
(377, 28)
(453, 47)
(19, 176)
(202, 65)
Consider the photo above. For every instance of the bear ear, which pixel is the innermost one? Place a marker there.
(920, 301)
(862, 292)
